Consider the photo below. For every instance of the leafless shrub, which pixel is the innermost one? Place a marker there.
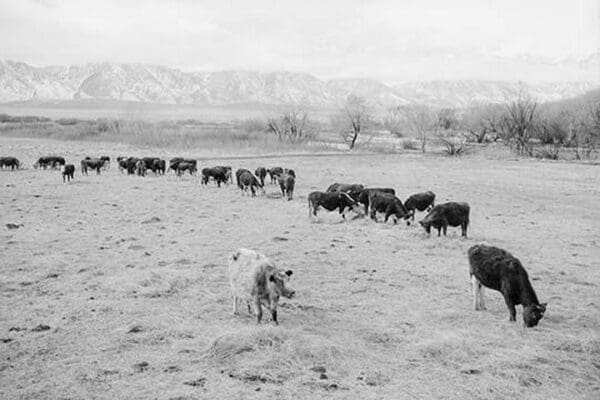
(518, 124)
(446, 131)
(352, 121)
(394, 122)
(292, 126)
(420, 121)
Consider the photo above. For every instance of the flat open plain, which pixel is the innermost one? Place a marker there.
(129, 274)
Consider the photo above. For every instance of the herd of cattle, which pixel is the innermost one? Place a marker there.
(254, 278)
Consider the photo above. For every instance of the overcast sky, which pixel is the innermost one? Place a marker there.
(388, 40)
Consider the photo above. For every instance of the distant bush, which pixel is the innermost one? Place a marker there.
(69, 121)
(25, 119)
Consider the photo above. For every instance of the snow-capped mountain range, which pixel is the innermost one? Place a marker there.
(157, 84)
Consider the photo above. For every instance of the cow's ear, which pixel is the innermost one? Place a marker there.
(289, 272)
(543, 307)
(272, 278)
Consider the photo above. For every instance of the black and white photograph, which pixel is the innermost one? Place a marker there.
(334, 199)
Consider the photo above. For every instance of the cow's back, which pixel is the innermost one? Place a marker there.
(246, 270)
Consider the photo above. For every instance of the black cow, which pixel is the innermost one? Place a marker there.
(499, 270)
(363, 197)
(447, 214)
(286, 184)
(261, 174)
(9, 162)
(330, 201)
(50, 161)
(68, 172)
(353, 189)
(227, 170)
(219, 174)
(290, 172)
(274, 173)
(174, 163)
(91, 163)
(387, 203)
(420, 201)
(183, 166)
(158, 166)
(128, 164)
(246, 180)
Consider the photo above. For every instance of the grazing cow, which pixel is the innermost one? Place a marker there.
(50, 161)
(106, 160)
(186, 166)
(219, 174)
(363, 197)
(9, 162)
(353, 189)
(128, 164)
(227, 170)
(274, 173)
(261, 173)
(420, 201)
(330, 201)
(254, 279)
(499, 270)
(68, 172)
(246, 180)
(442, 215)
(158, 166)
(286, 184)
(290, 172)
(174, 163)
(140, 167)
(389, 204)
(93, 164)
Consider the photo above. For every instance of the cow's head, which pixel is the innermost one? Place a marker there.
(426, 224)
(278, 284)
(532, 314)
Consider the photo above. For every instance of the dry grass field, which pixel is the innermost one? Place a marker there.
(115, 286)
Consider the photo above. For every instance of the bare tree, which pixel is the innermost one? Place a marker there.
(292, 126)
(519, 123)
(353, 120)
(446, 131)
(421, 121)
(394, 121)
(481, 124)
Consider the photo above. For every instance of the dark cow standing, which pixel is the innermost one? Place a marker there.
(158, 166)
(93, 164)
(129, 164)
(353, 189)
(286, 184)
(330, 201)
(386, 203)
(9, 162)
(227, 170)
(363, 197)
(186, 166)
(447, 214)
(274, 173)
(246, 180)
(174, 163)
(217, 173)
(420, 201)
(261, 174)
(50, 161)
(290, 172)
(68, 172)
(141, 167)
(499, 270)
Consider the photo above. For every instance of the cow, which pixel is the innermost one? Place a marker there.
(219, 174)
(174, 163)
(9, 162)
(68, 172)
(254, 279)
(186, 166)
(330, 201)
(290, 172)
(128, 164)
(286, 184)
(106, 160)
(91, 163)
(420, 201)
(353, 189)
(389, 204)
(158, 166)
(227, 170)
(499, 270)
(261, 173)
(246, 180)
(274, 173)
(140, 167)
(363, 197)
(447, 214)
(49, 161)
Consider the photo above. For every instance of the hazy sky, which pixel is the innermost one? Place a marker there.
(389, 40)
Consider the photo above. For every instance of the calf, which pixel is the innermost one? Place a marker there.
(185, 166)
(420, 201)
(274, 173)
(93, 164)
(68, 172)
(261, 173)
(363, 197)
(330, 201)
(246, 180)
(217, 173)
(499, 270)
(442, 215)
(286, 184)
(254, 279)
(387, 203)
(353, 189)
(9, 162)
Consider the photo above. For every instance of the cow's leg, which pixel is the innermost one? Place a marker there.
(481, 297)
(273, 309)
(253, 191)
(463, 228)
(439, 229)
(373, 214)
(511, 309)
(63, 178)
(257, 310)
(475, 292)
(235, 305)
(445, 229)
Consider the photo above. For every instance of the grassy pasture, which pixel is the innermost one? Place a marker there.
(129, 274)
